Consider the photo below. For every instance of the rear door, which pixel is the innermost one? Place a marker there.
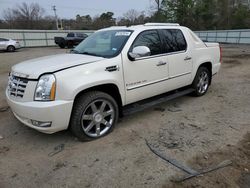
(179, 57)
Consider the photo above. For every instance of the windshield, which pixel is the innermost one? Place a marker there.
(103, 43)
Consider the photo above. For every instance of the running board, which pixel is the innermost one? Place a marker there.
(147, 103)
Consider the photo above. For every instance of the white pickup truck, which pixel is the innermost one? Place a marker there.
(86, 90)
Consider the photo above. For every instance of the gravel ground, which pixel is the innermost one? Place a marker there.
(197, 132)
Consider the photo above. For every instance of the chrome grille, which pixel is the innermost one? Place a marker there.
(17, 86)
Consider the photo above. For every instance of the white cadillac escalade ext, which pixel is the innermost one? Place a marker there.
(86, 89)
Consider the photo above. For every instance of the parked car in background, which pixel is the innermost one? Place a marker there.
(9, 45)
(71, 40)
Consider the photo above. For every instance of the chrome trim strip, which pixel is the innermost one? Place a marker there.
(183, 74)
(160, 55)
(157, 81)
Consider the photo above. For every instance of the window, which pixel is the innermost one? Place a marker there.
(174, 40)
(151, 40)
(1, 39)
(79, 35)
(71, 35)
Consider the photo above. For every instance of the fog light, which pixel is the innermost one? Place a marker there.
(41, 124)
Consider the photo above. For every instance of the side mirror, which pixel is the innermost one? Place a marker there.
(139, 51)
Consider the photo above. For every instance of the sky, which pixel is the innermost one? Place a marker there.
(70, 8)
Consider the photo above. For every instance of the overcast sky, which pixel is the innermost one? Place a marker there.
(70, 8)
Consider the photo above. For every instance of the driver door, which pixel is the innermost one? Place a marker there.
(146, 76)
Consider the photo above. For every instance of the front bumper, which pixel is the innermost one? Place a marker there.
(57, 112)
(17, 46)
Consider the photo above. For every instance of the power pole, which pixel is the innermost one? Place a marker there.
(54, 9)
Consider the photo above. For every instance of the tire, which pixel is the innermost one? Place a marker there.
(94, 115)
(62, 45)
(70, 44)
(201, 82)
(11, 48)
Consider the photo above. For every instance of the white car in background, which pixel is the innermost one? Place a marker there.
(9, 44)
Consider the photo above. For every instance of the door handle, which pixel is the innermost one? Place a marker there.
(187, 58)
(161, 63)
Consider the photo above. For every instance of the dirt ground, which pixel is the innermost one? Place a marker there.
(197, 132)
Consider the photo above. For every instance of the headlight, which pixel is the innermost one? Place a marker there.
(46, 88)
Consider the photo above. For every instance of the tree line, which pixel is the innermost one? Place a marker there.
(195, 14)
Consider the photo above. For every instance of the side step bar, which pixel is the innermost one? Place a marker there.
(147, 103)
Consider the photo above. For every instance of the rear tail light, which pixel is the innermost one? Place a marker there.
(220, 54)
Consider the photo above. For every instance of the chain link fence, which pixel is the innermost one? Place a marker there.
(226, 36)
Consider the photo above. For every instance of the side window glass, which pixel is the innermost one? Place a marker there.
(79, 35)
(71, 35)
(151, 40)
(174, 40)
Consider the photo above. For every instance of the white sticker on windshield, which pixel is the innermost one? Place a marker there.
(123, 33)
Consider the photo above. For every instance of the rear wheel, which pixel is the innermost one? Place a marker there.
(94, 115)
(11, 49)
(70, 44)
(201, 81)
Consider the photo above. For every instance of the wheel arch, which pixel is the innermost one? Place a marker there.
(110, 89)
(11, 45)
(207, 65)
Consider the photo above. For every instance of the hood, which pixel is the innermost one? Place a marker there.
(33, 68)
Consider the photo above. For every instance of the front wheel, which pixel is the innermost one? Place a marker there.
(94, 115)
(11, 48)
(62, 45)
(201, 81)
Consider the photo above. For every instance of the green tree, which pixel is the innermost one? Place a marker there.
(181, 11)
(105, 20)
(241, 17)
(205, 14)
(83, 22)
(223, 14)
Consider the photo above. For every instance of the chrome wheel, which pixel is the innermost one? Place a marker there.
(97, 118)
(203, 82)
